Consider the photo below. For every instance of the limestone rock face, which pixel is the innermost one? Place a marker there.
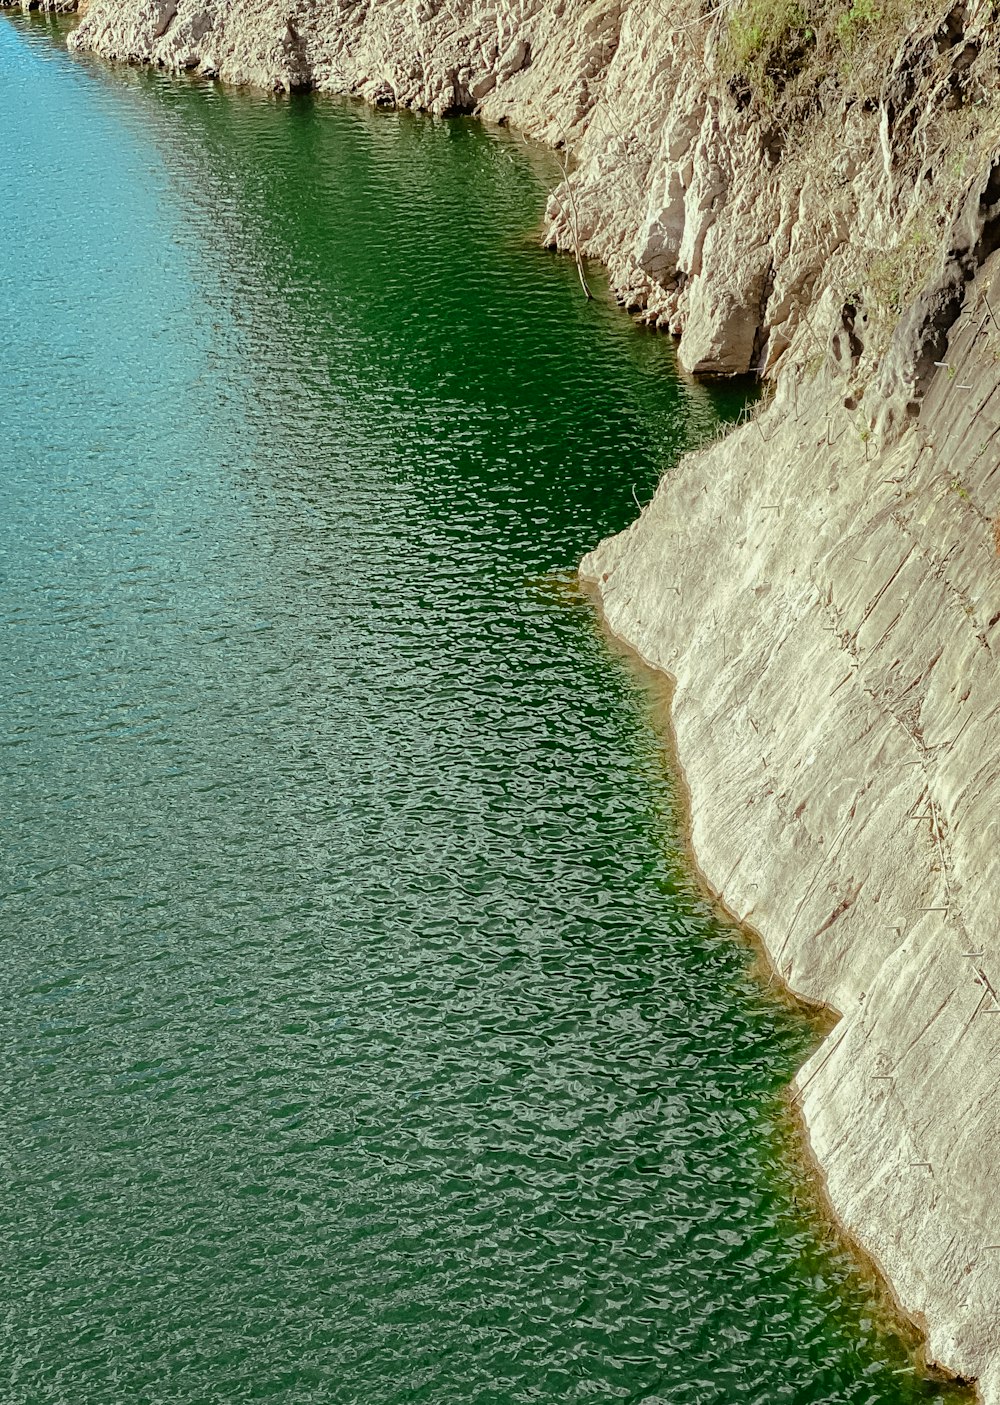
(831, 615)
(823, 584)
(532, 61)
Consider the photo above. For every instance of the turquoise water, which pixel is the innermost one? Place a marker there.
(367, 1040)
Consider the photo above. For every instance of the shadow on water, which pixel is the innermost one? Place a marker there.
(368, 1036)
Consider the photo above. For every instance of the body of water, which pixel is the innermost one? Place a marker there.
(365, 1038)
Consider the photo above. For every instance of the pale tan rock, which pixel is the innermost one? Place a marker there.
(831, 616)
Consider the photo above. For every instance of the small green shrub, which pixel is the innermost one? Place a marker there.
(895, 277)
(793, 48)
(766, 41)
(852, 26)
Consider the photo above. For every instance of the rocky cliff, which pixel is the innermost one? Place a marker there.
(809, 191)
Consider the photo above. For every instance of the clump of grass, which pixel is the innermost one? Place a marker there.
(797, 47)
(856, 22)
(897, 276)
(765, 41)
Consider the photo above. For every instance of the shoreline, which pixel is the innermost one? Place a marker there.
(634, 577)
(822, 1018)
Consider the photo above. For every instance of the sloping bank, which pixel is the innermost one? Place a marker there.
(815, 196)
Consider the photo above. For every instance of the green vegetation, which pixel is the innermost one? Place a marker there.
(793, 47)
(764, 40)
(898, 275)
(854, 24)
(808, 70)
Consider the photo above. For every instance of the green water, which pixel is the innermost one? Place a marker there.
(365, 1039)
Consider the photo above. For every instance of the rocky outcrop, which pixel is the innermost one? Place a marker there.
(717, 222)
(831, 616)
(537, 63)
(818, 201)
(824, 586)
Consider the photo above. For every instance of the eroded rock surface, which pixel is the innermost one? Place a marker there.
(832, 617)
(537, 63)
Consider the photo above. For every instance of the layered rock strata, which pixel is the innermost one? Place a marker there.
(831, 615)
(824, 583)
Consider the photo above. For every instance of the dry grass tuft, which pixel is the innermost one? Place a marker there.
(793, 54)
